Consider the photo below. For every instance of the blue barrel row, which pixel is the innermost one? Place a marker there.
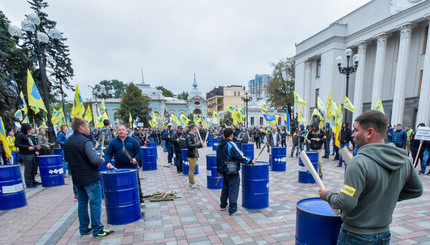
(210, 142)
(278, 159)
(149, 161)
(12, 193)
(304, 175)
(51, 170)
(255, 186)
(212, 173)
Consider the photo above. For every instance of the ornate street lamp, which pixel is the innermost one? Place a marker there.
(246, 99)
(347, 70)
(38, 41)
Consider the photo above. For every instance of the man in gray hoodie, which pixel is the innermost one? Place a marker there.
(377, 178)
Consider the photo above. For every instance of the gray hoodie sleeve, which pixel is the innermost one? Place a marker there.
(92, 154)
(413, 187)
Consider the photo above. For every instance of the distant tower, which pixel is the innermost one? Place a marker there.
(141, 70)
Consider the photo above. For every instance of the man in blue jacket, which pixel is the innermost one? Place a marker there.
(227, 150)
(119, 147)
(399, 136)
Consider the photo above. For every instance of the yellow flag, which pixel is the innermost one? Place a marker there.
(105, 116)
(263, 106)
(88, 114)
(103, 104)
(347, 104)
(329, 108)
(24, 108)
(4, 140)
(298, 100)
(215, 115)
(174, 119)
(99, 118)
(230, 108)
(34, 100)
(78, 106)
(301, 117)
(378, 106)
(338, 124)
(321, 105)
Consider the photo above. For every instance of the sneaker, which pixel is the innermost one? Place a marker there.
(31, 186)
(88, 232)
(142, 205)
(194, 186)
(103, 233)
(418, 173)
(223, 209)
(36, 183)
(339, 165)
(235, 213)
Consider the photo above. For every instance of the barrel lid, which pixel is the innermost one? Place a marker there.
(258, 163)
(118, 171)
(9, 166)
(146, 147)
(315, 206)
(211, 155)
(43, 156)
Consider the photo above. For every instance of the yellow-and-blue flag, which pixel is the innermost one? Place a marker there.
(34, 99)
(338, 124)
(99, 118)
(240, 110)
(378, 106)
(215, 115)
(184, 119)
(89, 115)
(26, 120)
(103, 104)
(69, 124)
(287, 120)
(78, 108)
(329, 108)
(230, 108)
(301, 117)
(298, 100)
(321, 104)
(174, 118)
(271, 118)
(263, 106)
(24, 108)
(347, 104)
(57, 115)
(105, 115)
(156, 115)
(318, 114)
(130, 119)
(196, 119)
(4, 140)
(18, 114)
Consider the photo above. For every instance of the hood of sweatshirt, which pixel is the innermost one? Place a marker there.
(387, 156)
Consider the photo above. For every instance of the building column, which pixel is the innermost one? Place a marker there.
(423, 115)
(308, 86)
(359, 80)
(379, 68)
(401, 71)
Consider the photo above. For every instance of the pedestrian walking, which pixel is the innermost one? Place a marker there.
(193, 143)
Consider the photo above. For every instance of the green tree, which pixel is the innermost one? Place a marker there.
(227, 120)
(183, 95)
(114, 84)
(281, 87)
(164, 91)
(134, 102)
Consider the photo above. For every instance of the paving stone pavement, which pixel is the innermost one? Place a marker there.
(51, 214)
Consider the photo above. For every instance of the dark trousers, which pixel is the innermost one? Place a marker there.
(30, 164)
(178, 161)
(283, 142)
(414, 152)
(258, 143)
(170, 150)
(327, 148)
(230, 191)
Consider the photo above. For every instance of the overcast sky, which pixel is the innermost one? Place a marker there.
(224, 42)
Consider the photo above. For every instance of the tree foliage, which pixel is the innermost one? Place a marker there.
(280, 89)
(164, 91)
(183, 96)
(114, 84)
(227, 120)
(134, 102)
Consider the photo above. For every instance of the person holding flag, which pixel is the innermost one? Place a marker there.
(28, 152)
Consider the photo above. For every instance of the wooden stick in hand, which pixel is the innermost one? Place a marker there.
(311, 169)
(346, 154)
(262, 149)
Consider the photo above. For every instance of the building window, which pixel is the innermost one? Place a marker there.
(252, 120)
(426, 34)
(318, 72)
(317, 93)
(234, 93)
(419, 85)
(261, 121)
(238, 93)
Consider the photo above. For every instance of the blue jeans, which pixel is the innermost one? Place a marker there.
(90, 193)
(15, 156)
(327, 148)
(163, 144)
(293, 149)
(349, 238)
(340, 156)
(170, 150)
(425, 161)
(301, 145)
(230, 191)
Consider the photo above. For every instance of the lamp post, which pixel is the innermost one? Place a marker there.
(347, 70)
(38, 40)
(246, 99)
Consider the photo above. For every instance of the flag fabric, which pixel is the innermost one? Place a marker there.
(184, 119)
(150, 124)
(173, 118)
(298, 100)
(196, 119)
(301, 117)
(105, 116)
(130, 119)
(18, 114)
(321, 104)
(69, 124)
(156, 115)
(88, 115)
(99, 119)
(287, 121)
(78, 106)
(57, 115)
(26, 120)
(103, 104)
(240, 110)
(263, 106)
(329, 108)
(321, 118)
(34, 99)
(338, 124)
(378, 106)
(335, 109)
(215, 115)
(230, 108)
(4, 140)
(35, 125)
(271, 118)
(347, 104)
(24, 107)
(13, 88)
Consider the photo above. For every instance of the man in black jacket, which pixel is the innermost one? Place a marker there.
(327, 133)
(28, 152)
(316, 140)
(345, 136)
(83, 161)
(193, 142)
(137, 135)
(227, 150)
(179, 141)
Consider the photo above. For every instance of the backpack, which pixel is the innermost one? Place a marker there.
(107, 134)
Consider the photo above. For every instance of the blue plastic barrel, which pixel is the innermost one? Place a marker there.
(151, 139)
(12, 194)
(255, 185)
(279, 159)
(248, 150)
(212, 173)
(51, 170)
(217, 140)
(57, 151)
(239, 145)
(154, 145)
(210, 141)
(215, 146)
(304, 175)
(186, 164)
(316, 223)
(149, 161)
(121, 191)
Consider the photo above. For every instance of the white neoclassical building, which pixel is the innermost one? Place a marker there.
(391, 38)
